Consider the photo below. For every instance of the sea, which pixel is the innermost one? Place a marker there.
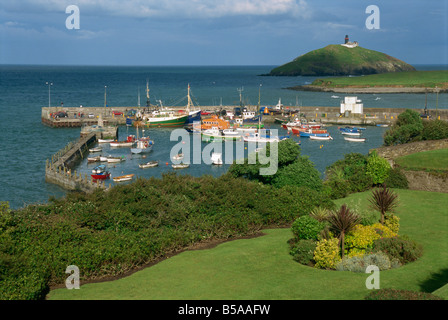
(26, 143)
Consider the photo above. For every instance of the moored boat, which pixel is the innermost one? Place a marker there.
(216, 158)
(149, 164)
(179, 156)
(111, 159)
(96, 149)
(101, 176)
(321, 138)
(129, 142)
(355, 139)
(126, 177)
(180, 165)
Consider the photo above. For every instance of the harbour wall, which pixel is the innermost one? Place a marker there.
(330, 115)
(59, 169)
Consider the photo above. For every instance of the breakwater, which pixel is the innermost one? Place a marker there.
(59, 169)
(113, 116)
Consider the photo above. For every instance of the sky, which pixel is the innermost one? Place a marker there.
(223, 32)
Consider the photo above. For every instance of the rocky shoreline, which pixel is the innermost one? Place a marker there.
(357, 90)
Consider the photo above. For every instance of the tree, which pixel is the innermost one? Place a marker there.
(342, 222)
(377, 168)
(407, 128)
(383, 200)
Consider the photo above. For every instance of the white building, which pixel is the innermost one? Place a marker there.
(352, 104)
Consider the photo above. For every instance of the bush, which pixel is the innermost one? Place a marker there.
(396, 179)
(362, 238)
(360, 263)
(299, 173)
(327, 254)
(307, 228)
(407, 128)
(402, 249)
(393, 294)
(303, 251)
(435, 130)
(377, 168)
(392, 222)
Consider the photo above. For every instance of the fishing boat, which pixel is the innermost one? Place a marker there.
(314, 132)
(355, 139)
(129, 142)
(96, 149)
(180, 166)
(101, 175)
(149, 164)
(321, 138)
(126, 177)
(143, 144)
(216, 158)
(99, 169)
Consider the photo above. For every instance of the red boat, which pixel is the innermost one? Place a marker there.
(101, 176)
(297, 130)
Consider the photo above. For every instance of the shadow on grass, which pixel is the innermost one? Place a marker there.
(435, 281)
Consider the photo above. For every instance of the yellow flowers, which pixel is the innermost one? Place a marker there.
(326, 254)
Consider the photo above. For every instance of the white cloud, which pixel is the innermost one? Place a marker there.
(196, 9)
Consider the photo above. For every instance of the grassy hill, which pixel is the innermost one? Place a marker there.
(337, 60)
(423, 79)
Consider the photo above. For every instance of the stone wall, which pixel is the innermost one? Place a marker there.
(418, 180)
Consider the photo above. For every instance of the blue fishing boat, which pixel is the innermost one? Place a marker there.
(309, 134)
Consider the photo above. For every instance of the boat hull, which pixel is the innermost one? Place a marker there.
(167, 121)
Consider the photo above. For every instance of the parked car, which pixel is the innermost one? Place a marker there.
(117, 113)
(91, 115)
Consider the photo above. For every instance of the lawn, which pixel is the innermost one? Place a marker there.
(261, 268)
(426, 160)
(429, 79)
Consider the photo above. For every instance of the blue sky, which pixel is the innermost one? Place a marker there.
(224, 32)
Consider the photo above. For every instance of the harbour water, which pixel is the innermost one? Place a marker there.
(26, 143)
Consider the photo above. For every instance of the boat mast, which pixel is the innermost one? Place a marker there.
(189, 103)
(147, 94)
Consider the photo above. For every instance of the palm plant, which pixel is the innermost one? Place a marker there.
(342, 222)
(383, 200)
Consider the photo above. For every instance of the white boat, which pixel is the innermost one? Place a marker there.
(256, 137)
(149, 164)
(105, 140)
(111, 159)
(348, 133)
(231, 133)
(355, 139)
(180, 166)
(321, 138)
(142, 146)
(99, 169)
(97, 149)
(216, 158)
(93, 159)
(179, 156)
(126, 177)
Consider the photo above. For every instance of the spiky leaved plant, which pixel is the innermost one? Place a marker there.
(383, 200)
(342, 222)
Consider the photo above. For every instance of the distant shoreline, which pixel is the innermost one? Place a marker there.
(379, 89)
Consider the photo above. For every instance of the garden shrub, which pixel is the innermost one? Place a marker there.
(435, 130)
(394, 294)
(361, 239)
(392, 222)
(377, 168)
(327, 254)
(303, 251)
(397, 179)
(400, 248)
(307, 228)
(360, 263)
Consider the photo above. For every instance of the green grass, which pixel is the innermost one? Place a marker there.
(429, 79)
(433, 160)
(261, 268)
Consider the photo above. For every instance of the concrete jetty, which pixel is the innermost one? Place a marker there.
(59, 169)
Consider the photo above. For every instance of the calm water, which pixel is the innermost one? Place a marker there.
(26, 143)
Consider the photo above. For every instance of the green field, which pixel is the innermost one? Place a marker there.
(261, 268)
(429, 79)
(434, 160)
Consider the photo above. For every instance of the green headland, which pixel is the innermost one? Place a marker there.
(339, 60)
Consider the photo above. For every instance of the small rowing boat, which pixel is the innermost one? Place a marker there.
(149, 164)
(355, 139)
(321, 138)
(126, 177)
(180, 166)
